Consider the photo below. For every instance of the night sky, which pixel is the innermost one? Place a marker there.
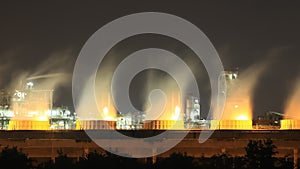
(41, 37)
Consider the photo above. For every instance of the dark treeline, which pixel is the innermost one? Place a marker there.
(259, 154)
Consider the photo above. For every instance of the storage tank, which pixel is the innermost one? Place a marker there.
(163, 124)
(95, 125)
(231, 124)
(289, 124)
(28, 125)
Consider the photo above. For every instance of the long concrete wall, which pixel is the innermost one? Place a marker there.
(45, 144)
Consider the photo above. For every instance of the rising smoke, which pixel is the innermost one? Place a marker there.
(50, 74)
(292, 108)
(239, 98)
(53, 72)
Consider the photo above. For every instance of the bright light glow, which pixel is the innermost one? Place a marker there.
(105, 111)
(242, 117)
(33, 113)
(30, 84)
(108, 118)
(42, 118)
(177, 110)
(235, 75)
(175, 116)
(106, 115)
(236, 106)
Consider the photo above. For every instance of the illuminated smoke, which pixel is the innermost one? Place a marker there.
(172, 100)
(43, 79)
(50, 74)
(105, 109)
(239, 94)
(292, 108)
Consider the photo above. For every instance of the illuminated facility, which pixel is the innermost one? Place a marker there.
(237, 112)
(29, 108)
(170, 118)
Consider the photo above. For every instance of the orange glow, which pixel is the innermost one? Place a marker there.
(292, 109)
(105, 111)
(242, 117)
(31, 110)
(42, 118)
(172, 110)
(239, 92)
(237, 109)
(28, 125)
(231, 124)
(106, 108)
(107, 114)
(176, 114)
(109, 118)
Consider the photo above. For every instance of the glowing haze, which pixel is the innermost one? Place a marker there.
(292, 109)
(239, 94)
(33, 90)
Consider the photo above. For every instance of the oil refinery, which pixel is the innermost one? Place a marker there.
(29, 108)
(30, 122)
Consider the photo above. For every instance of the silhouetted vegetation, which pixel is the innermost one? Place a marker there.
(61, 162)
(259, 154)
(12, 158)
(176, 161)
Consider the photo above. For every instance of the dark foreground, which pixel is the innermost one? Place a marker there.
(224, 146)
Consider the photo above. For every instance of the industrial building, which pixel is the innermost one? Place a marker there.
(30, 122)
(29, 108)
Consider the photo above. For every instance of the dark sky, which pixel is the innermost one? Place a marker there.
(244, 34)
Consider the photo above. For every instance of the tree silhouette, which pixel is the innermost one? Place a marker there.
(176, 161)
(12, 158)
(61, 162)
(222, 161)
(259, 154)
(91, 160)
(98, 160)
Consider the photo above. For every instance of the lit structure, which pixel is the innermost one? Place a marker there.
(30, 109)
(192, 112)
(171, 118)
(288, 124)
(163, 125)
(5, 111)
(124, 122)
(91, 124)
(238, 106)
(231, 124)
(61, 118)
(237, 110)
(130, 121)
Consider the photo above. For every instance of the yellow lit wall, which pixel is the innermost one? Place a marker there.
(164, 125)
(95, 124)
(28, 125)
(231, 124)
(289, 124)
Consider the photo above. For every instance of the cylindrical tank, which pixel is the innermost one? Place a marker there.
(163, 124)
(28, 125)
(231, 124)
(289, 124)
(95, 125)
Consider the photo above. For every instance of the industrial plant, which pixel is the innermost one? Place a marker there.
(29, 121)
(29, 108)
